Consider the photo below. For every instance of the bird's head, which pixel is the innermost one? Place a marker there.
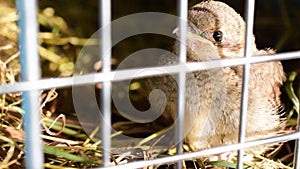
(215, 26)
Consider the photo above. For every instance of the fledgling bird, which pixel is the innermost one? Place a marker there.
(213, 97)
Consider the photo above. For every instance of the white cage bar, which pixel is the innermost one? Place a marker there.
(182, 25)
(246, 72)
(105, 54)
(109, 76)
(30, 71)
(31, 85)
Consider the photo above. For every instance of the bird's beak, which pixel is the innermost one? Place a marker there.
(202, 48)
(193, 33)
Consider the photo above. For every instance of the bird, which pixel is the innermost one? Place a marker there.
(213, 96)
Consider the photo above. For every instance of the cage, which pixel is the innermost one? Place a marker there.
(100, 81)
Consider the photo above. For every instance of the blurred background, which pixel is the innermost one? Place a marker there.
(276, 22)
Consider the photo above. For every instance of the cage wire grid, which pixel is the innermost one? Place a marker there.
(32, 84)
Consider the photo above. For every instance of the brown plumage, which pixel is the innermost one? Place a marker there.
(213, 97)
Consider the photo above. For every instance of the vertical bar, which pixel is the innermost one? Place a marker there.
(297, 145)
(248, 52)
(182, 24)
(105, 54)
(30, 71)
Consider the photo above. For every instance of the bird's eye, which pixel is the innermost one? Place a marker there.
(218, 36)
